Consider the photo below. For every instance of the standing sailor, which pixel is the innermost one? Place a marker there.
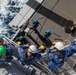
(57, 56)
(29, 56)
(35, 25)
(47, 34)
(57, 59)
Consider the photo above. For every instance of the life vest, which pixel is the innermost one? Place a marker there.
(28, 58)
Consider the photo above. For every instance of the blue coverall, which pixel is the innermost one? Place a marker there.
(8, 55)
(35, 25)
(55, 62)
(47, 33)
(69, 51)
(27, 60)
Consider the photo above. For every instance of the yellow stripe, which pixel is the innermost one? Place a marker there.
(24, 16)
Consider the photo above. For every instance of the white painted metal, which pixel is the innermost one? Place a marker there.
(22, 17)
(40, 1)
(27, 30)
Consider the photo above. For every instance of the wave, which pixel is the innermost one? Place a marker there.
(8, 10)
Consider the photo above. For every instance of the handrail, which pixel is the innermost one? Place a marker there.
(43, 68)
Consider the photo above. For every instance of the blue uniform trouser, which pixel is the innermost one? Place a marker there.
(35, 27)
(54, 66)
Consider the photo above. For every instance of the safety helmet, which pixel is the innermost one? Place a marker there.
(42, 47)
(32, 48)
(2, 50)
(59, 46)
(18, 42)
(35, 21)
(21, 37)
(48, 31)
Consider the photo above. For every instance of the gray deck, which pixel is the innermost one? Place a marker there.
(62, 9)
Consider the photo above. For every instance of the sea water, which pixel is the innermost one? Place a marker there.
(8, 10)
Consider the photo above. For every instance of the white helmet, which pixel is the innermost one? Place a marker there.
(59, 46)
(32, 48)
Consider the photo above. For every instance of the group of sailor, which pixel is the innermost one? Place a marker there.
(29, 54)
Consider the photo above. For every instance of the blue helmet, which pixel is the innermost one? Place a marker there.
(35, 21)
(48, 32)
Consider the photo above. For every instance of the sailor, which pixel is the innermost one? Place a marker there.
(22, 48)
(29, 56)
(47, 34)
(66, 52)
(57, 55)
(35, 24)
(70, 49)
(21, 39)
(5, 55)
